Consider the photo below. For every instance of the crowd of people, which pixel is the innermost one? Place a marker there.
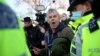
(76, 36)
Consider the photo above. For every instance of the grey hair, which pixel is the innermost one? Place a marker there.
(52, 10)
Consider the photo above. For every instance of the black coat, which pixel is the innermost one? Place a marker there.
(34, 36)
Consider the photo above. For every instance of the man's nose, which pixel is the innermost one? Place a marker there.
(52, 18)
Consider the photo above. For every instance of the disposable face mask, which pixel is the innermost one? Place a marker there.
(76, 15)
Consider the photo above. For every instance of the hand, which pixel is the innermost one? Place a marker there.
(36, 51)
(43, 43)
(42, 29)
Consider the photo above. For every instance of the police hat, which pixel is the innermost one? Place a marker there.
(74, 3)
(27, 19)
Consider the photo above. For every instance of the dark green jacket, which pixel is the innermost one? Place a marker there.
(62, 39)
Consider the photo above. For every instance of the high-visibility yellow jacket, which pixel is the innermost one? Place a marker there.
(12, 37)
(80, 21)
(86, 43)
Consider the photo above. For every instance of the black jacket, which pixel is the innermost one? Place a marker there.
(34, 36)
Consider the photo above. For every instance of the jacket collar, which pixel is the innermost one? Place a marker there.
(59, 28)
(88, 12)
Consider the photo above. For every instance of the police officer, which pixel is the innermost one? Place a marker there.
(12, 38)
(87, 38)
(79, 9)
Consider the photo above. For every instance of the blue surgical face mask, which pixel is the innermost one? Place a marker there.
(76, 15)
